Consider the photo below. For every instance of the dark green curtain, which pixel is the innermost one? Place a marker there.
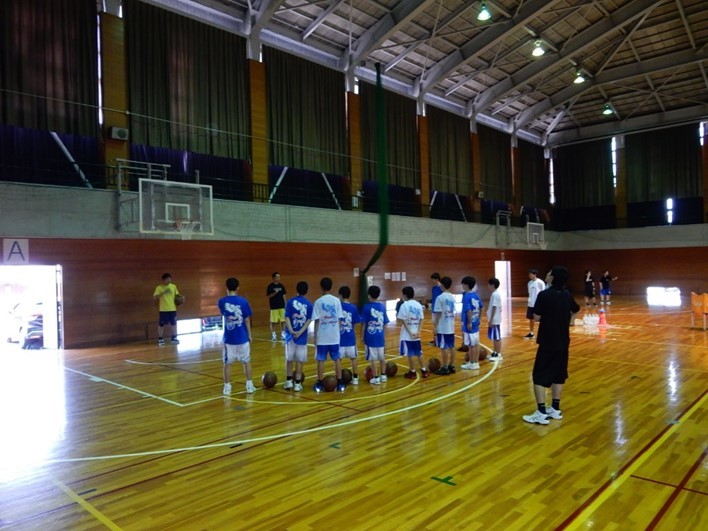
(48, 65)
(188, 84)
(495, 163)
(450, 152)
(306, 114)
(402, 135)
(583, 175)
(662, 164)
(533, 175)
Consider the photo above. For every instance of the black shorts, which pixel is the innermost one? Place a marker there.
(529, 312)
(168, 318)
(550, 367)
(589, 293)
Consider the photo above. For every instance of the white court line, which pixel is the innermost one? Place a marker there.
(121, 386)
(278, 435)
(135, 362)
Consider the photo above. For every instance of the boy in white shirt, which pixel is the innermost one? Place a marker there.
(494, 316)
(445, 327)
(410, 314)
(535, 286)
(327, 313)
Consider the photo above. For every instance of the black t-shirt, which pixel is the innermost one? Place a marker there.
(605, 281)
(555, 307)
(277, 301)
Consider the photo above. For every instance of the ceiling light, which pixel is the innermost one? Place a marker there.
(484, 13)
(538, 51)
(607, 109)
(579, 78)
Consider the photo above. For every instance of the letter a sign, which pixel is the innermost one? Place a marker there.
(15, 252)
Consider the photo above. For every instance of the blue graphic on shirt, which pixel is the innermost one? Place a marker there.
(235, 310)
(374, 318)
(350, 317)
(299, 311)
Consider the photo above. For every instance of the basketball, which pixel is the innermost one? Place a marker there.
(347, 376)
(368, 374)
(391, 368)
(179, 300)
(482, 354)
(329, 383)
(433, 364)
(270, 379)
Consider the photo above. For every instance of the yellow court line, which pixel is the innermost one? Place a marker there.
(617, 482)
(86, 505)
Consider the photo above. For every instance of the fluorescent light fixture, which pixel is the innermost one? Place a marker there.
(538, 50)
(484, 13)
(579, 78)
(607, 109)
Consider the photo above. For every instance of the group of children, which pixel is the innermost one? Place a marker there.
(335, 337)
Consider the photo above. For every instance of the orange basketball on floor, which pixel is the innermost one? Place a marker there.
(482, 354)
(433, 364)
(369, 374)
(329, 383)
(391, 368)
(347, 376)
(270, 379)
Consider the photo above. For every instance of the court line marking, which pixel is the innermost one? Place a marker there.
(87, 506)
(136, 362)
(578, 519)
(121, 386)
(280, 435)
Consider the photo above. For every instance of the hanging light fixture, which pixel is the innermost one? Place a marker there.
(579, 78)
(607, 110)
(538, 50)
(484, 13)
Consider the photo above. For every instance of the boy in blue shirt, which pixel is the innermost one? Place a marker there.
(298, 315)
(347, 338)
(237, 334)
(374, 319)
(471, 309)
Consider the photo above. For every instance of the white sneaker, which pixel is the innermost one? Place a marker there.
(250, 388)
(282, 335)
(383, 378)
(536, 418)
(297, 388)
(355, 381)
(375, 381)
(470, 366)
(227, 389)
(495, 356)
(273, 336)
(554, 414)
(288, 384)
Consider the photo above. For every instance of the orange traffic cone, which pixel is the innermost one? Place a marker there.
(603, 319)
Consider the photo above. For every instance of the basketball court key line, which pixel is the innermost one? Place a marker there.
(278, 435)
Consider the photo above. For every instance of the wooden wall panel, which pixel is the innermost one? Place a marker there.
(108, 284)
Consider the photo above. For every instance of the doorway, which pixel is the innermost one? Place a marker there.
(31, 306)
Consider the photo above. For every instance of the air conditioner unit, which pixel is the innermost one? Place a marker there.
(118, 133)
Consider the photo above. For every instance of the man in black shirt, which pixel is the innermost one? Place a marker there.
(276, 298)
(555, 309)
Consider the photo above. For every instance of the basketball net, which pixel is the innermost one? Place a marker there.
(185, 227)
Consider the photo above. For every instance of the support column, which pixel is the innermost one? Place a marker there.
(114, 88)
(516, 178)
(476, 177)
(259, 130)
(356, 178)
(424, 151)
(621, 190)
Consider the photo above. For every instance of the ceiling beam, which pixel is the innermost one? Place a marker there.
(633, 125)
(482, 42)
(261, 16)
(576, 45)
(612, 75)
(387, 26)
(309, 30)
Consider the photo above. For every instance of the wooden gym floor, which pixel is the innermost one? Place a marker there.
(139, 437)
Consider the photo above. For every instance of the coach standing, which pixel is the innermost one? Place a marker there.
(276, 298)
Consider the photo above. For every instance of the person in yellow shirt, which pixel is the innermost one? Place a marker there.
(165, 293)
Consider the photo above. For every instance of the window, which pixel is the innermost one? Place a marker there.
(670, 210)
(551, 183)
(702, 132)
(614, 162)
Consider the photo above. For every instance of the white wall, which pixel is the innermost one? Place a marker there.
(59, 212)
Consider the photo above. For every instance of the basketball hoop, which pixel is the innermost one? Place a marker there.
(185, 227)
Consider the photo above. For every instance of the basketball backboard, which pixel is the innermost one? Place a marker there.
(535, 234)
(166, 207)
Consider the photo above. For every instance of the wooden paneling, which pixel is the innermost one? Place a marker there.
(108, 284)
(424, 149)
(476, 172)
(354, 137)
(259, 121)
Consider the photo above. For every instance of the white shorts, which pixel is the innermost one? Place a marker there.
(348, 352)
(375, 353)
(234, 353)
(294, 352)
(470, 339)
